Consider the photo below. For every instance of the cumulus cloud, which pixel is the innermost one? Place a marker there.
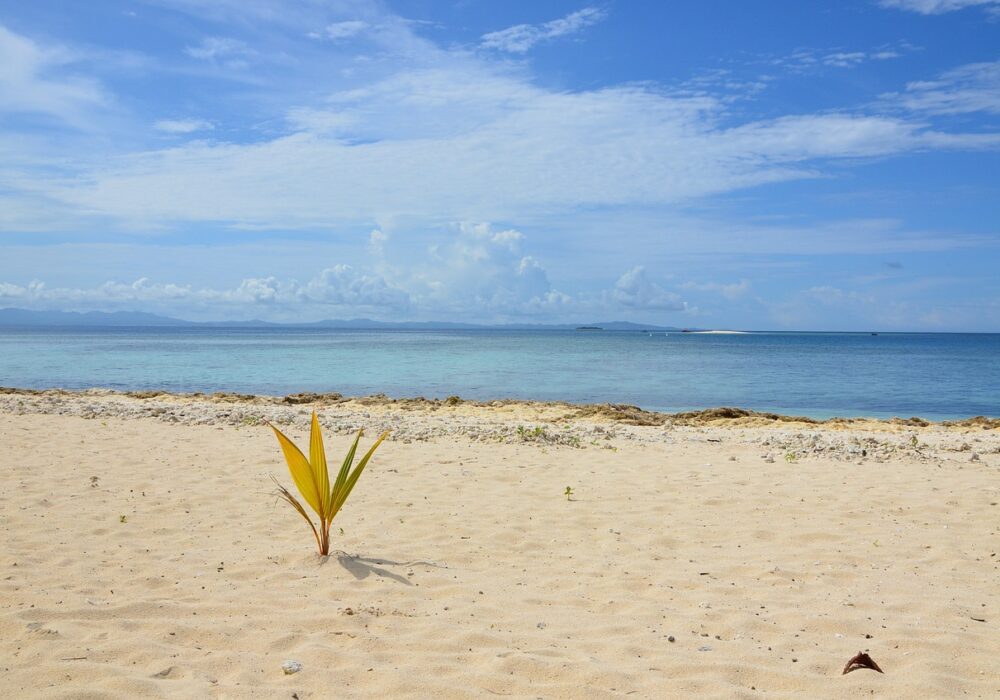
(340, 288)
(342, 285)
(478, 272)
(522, 37)
(487, 269)
(635, 290)
(376, 242)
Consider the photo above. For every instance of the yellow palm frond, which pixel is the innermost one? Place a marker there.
(317, 459)
(301, 471)
(312, 479)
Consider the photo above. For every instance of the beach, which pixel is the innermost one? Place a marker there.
(718, 554)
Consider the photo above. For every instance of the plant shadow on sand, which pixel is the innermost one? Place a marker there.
(363, 567)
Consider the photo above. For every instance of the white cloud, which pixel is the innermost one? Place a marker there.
(636, 290)
(183, 126)
(810, 60)
(265, 290)
(480, 272)
(486, 269)
(215, 48)
(849, 59)
(343, 286)
(522, 37)
(937, 7)
(731, 291)
(339, 289)
(494, 146)
(34, 79)
(477, 272)
(376, 242)
(453, 136)
(974, 87)
(319, 121)
(344, 30)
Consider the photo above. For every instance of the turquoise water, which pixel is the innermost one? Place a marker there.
(936, 376)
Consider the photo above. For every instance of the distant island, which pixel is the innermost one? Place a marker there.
(139, 319)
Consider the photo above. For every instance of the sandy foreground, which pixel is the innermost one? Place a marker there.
(143, 554)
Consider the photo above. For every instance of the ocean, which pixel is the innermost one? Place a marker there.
(934, 376)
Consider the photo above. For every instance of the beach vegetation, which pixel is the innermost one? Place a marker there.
(534, 433)
(312, 479)
(791, 457)
(568, 493)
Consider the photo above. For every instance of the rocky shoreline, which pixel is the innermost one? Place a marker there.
(545, 424)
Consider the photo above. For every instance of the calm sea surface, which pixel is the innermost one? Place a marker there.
(936, 376)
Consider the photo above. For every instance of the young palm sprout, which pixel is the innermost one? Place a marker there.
(313, 480)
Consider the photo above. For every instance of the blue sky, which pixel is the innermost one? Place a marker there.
(755, 164)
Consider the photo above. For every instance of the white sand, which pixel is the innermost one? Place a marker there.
(719, 332)
(467, 572)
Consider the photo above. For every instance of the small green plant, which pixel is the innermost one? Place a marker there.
(913, 441)
(530, 433)
(122, 519)
(312, 479)
(790, 457)
(568, 493)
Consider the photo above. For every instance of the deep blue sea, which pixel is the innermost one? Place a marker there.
(935, 376)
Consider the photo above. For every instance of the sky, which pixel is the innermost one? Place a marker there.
(761, 164)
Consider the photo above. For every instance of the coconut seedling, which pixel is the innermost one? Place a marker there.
(312, 479)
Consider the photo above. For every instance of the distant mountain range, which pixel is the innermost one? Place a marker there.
(93, 319)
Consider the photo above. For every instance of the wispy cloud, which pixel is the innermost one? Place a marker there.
(937, 7)
(344, 30)
(522, 37)
(971, 88)
(506, 149)
(40, 80)
(804, 60)
(220, 48)
(183, 126)
(731, 290)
